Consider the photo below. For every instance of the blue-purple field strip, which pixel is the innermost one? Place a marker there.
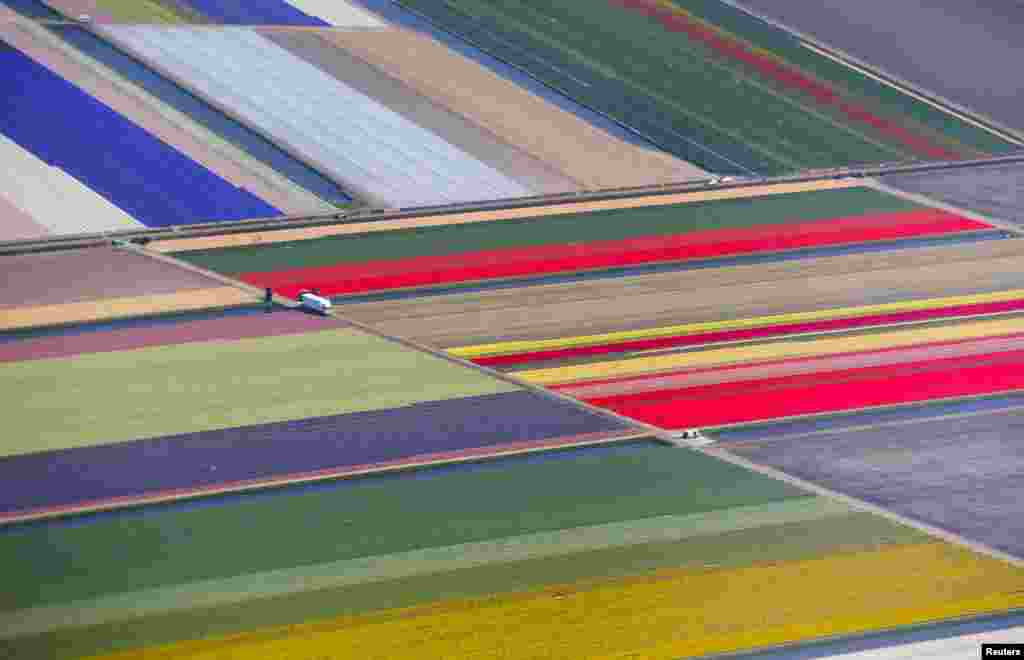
(65, 127)
(959, 469)
(60, 480)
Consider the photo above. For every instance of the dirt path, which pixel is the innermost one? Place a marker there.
(279, 236)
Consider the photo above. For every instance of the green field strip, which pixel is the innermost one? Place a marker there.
(682, 76)
(142, 11)
(103, 398)
(367, 517)
(614, 224)
(350, 572)
(605, 40)
(785, 47)
(890, 100)
(695, 55)
(774, 542)
(822, 140)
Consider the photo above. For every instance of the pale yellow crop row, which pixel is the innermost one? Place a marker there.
(512, 347)
(525, 213)
(667, 614)
(750, 354)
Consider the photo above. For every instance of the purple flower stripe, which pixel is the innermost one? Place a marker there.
(198, 460)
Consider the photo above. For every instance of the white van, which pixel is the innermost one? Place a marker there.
(693, 437)
(314, 303)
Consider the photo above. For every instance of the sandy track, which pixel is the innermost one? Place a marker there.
(94, 310)
(614, 304)
(283, 235)
(71, 276)
(578, 149)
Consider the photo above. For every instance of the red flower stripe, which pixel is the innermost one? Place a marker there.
(363, 277)
(822, 393)
(977, 309)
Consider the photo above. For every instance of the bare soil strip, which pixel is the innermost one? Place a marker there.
(646, 301)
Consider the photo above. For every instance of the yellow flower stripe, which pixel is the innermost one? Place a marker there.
(666, 614)
(809, 347)
(715, 29)
(511, 347)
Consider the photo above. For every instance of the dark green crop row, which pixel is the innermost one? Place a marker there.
(885, 99)
(606, 225)
(689, 101)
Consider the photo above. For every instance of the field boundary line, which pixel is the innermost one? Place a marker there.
(525, 213)
(862, 69)
(891, 80)
(372, 215)
(630, 423)
(622, 124)
(727, 444)
(924, 199)
(865, 409)
(425, 461)
(687, 329)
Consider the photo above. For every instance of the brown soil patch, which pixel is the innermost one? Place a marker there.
(715, 294)
(583, 152)
(68, 276)
(283, 235)
(95, 310)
